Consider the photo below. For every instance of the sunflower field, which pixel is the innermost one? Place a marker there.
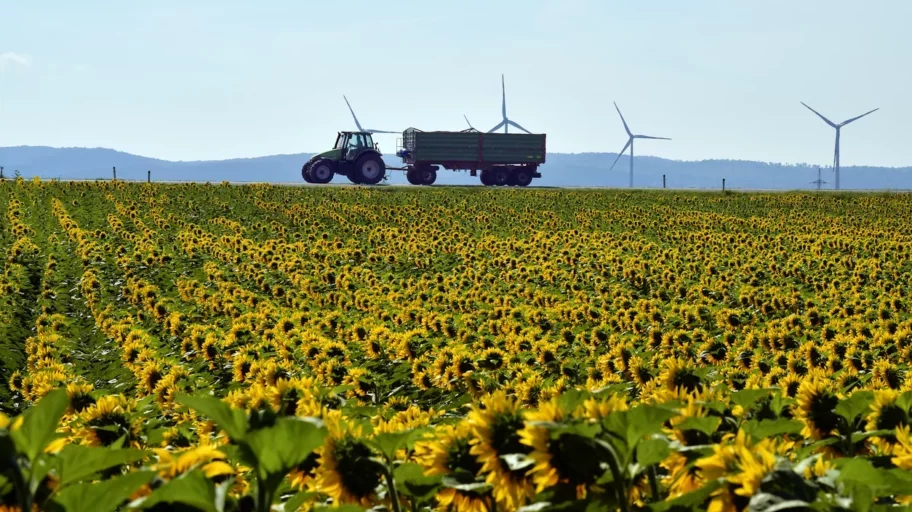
(219, 348)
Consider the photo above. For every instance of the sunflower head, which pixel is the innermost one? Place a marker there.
(680, 377)
(80, 394)
(347, 472)
(816, 404)
(496, 423)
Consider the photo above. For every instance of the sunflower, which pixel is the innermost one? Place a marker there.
(496, 424)
(816, 403)
(902, 457)
(886, 414)
(210, 460)
(683, 476)
(743, 467)
(346, 471)
(449, 453)
(80, 396)
(680, 377)
(560, 460)
(107, 420)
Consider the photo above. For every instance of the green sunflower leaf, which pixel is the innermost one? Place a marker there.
(652, 451)
(855, 405)
(232, 421)
(763, 429)
(412, 482)
(103, 496)
(192, 489)
(79, 462)
(39, 423)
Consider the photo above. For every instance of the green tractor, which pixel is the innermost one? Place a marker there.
(355, 156)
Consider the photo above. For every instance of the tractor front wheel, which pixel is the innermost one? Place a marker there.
(322, 171)
(305, 173)
(369, 169)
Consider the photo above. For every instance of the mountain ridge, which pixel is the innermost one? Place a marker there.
(562, 169)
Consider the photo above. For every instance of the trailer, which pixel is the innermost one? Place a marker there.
(499, 159)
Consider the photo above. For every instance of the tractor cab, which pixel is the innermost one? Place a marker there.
(354, 155)
(352, 143)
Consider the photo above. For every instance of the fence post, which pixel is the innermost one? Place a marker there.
(1, 173)
(723, 184)
(115, 173)
(149, 176)
(663, 181)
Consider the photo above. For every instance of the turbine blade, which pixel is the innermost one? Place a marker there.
(857, 118)
(622, 120)
(827, 121)
(650, 137)
(469, 122)
(499, 126)
(511, 123)
(350, 109)
(503, 86)
(629, 142)
(378, 131)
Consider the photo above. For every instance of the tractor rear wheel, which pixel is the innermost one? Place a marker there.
(500, 177)
(427, 176)
(369, 169)
(322, 171)
(522, 178)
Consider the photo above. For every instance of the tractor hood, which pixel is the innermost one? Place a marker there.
(332, 154)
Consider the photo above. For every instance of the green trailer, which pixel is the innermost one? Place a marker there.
(498, 158)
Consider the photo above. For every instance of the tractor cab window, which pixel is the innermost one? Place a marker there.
(368, 141)
(356, 141)
(340, 141)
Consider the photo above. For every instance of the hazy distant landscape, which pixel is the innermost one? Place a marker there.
(561, 169)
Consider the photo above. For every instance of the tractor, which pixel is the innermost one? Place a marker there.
(355, 156)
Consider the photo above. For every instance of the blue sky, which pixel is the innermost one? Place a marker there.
(221, 79)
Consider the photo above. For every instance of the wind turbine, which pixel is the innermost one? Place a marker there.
(506, 123)
(838, 128)
(469, 122)
(359, 124)
(630, 144)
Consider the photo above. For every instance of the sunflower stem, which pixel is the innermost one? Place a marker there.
(391, 486)
(619, 481)
(654, 484)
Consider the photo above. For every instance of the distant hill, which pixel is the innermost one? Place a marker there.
(562, 169)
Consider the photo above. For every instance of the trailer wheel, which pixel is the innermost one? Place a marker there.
(412, 176)
(486, 178)
(369, 169)
(500, 177)
(427, 176)
(305, 173)
(322, 171)
(522, 178)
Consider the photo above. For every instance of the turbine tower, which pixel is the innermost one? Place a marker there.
(506, 123)
(838, 128)
(359, 124)
(630, 144)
